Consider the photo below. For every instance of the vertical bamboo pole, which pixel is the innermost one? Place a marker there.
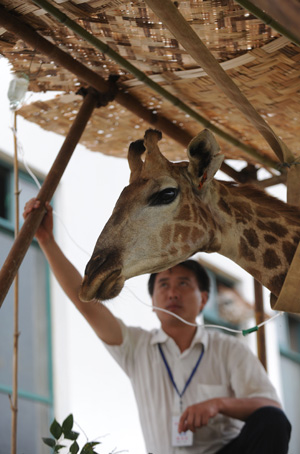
(260, 316)
(26, 234)
(14, 399)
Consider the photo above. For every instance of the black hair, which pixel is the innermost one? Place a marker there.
(198, 270)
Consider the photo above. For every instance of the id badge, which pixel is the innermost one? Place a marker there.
(183, 439)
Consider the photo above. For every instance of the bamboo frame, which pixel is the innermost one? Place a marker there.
(127, 100)
(26, 234)
(104, 48)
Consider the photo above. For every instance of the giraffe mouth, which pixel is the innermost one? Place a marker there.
(102, 288)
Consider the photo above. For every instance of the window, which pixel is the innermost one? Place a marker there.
(35, 368)
(289, 336)
(288, 326)
(5, 192)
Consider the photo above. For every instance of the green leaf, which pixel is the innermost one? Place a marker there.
(49, 442)
(71, 435)
(68, 424)
(58, 447)
(56, 429)
(74, 448)
(88, 447)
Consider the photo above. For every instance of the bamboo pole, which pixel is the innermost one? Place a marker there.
(260, 317)
(26, 234)
(293, 184)
(127, 100)
(188, 38)
(14, 398)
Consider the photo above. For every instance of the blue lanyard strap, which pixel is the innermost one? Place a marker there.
(180, 394)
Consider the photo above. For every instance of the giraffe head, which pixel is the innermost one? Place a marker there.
(158, 220)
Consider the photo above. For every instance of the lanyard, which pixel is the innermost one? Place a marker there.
(180, 394)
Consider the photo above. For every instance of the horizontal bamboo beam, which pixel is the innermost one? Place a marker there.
(30, 36)
(31, 223)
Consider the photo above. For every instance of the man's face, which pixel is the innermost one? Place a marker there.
(177, 291)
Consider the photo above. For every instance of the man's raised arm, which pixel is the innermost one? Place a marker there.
(103, 322)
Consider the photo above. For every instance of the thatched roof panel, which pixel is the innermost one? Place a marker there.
(264, 65)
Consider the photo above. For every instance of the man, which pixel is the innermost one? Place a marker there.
(198, 391)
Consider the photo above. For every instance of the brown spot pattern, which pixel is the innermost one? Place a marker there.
(271, 259)
(244, 208)
(296, 238)
(276, 283)
(185, 249)
(213, 243)
(251, 237)
(195, 215)
(270, 239)
(166, 233)
(245, 251)
(243, 211)
(223, 205)
(195, 234)
(181, 232)
(203, 214)
(173, 250)
(262, 225)
(262, 212)
(223, 190)
(288, 250)
(184, 214)
(273, 227)
(278, 229)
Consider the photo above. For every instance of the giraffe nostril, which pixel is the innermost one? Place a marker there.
(94, 264)
(101, 262)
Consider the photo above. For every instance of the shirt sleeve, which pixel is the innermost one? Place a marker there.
(125, 353)
(248, 378)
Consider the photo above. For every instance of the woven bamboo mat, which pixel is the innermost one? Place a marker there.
(264, 65)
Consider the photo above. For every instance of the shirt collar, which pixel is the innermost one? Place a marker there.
(201, 337)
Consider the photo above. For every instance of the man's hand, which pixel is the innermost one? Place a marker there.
(198, 415)
(45, 230)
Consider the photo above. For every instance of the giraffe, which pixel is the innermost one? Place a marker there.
(172, 210)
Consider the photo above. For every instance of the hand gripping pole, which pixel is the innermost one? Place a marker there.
(32, 222)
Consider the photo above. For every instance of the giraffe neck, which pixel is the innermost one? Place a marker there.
(256, 231)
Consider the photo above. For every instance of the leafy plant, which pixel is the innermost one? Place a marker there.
(64, 432)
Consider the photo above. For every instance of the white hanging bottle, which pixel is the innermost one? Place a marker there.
(17, 90)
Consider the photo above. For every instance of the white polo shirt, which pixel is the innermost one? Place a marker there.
(227, 368)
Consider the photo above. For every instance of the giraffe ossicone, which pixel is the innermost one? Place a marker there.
(172, 210)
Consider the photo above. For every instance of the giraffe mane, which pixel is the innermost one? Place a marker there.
(270, 202)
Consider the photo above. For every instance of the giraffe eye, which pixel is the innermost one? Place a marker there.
(163, 197)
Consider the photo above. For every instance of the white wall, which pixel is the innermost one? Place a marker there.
(87, 381)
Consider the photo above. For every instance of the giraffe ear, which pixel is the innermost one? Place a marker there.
(204, 157)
